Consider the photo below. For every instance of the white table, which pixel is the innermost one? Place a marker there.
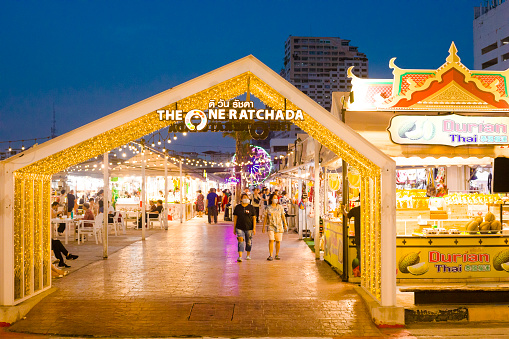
(128, 213)
(69, 223)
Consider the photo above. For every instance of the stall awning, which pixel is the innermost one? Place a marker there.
(373, 127)
(154, 166)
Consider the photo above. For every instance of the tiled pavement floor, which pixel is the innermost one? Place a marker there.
(186, 282)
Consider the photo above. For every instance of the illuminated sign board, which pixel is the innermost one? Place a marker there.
(228, 111)
(449, 130)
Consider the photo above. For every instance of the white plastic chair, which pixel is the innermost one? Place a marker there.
(92, 227)
(121, 222)
(113, 225)
(162, 215)
(151, 220)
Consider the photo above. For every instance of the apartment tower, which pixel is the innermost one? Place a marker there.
(491, 35)
(317, 66)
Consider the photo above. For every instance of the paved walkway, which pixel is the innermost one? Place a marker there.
(186, 282)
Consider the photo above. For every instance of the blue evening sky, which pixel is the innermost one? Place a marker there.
(91, 58)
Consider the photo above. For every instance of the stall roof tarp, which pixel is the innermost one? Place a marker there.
(154, 166)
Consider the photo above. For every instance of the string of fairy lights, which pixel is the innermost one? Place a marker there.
(127, 158)
(135, 148)
(21, 144)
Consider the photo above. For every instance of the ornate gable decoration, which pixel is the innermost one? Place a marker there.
(452, 87)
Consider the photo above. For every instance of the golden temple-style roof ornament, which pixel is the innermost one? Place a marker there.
(451, 87)
(453, 54)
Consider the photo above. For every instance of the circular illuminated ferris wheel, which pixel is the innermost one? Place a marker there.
(258, 167)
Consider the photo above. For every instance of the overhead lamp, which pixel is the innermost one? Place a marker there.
(153, 144)
(175, 136)
(159, 142)
(10, 148)
(184, 134)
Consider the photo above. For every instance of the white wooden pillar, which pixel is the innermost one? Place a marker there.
(326, 192)
(388, 235)
(106, 201)
(180, 190)
(7, 235)
(316, 199)
(165, 214)
(143, 191)
(299, 213)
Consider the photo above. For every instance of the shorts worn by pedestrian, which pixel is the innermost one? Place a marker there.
(274, 218)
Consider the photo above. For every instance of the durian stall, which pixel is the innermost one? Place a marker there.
(443, 127)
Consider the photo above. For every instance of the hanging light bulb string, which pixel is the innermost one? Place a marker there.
(25, 143)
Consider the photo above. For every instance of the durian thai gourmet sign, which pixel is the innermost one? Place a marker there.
(449, 130)
(445, 262)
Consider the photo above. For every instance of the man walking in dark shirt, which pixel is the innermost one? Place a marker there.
(244, 225)
(211, 205)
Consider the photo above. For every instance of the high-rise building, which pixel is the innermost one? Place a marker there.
(491, 35)
(318, 66)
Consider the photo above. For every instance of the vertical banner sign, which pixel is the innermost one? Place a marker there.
(333, 238)
(449, 130)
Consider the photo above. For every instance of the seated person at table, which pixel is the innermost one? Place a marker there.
(56, 214)
(101, 206)
(59, 249)
(153, 212)
(111, 212)
(89, 215)
(159, 207)
(93, 206)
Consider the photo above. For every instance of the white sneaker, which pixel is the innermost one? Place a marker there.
(239, 259)
(248, 257)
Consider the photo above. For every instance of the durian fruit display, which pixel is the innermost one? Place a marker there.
(484, 227)
(473, 226)
(489, 225)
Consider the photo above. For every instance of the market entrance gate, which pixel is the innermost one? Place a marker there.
(25, 189)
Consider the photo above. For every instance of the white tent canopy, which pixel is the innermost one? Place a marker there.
(322, 124)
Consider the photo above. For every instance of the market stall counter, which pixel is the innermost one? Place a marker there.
(465, 249)
(438, 250)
